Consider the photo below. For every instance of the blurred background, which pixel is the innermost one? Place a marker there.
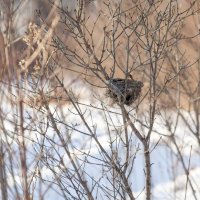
(62, 136)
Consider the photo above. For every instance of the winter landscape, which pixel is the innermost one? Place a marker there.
(100, 99)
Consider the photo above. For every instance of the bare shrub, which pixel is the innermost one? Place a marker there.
(85, 148)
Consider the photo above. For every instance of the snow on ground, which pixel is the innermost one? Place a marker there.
(176, 189)
(168, 176)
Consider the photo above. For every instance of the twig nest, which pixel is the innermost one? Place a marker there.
(124, 90)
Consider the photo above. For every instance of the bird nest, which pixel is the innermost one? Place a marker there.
(124, 90)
